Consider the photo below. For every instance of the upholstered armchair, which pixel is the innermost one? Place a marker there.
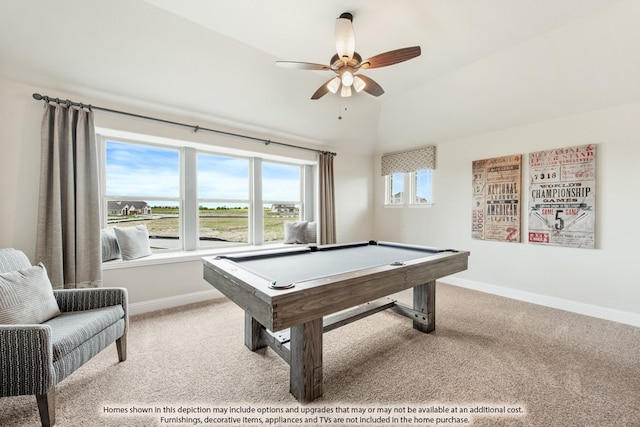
(43, 340)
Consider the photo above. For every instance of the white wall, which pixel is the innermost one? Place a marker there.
(603, 282)
(19, 167)
(354, 183)
(159, 285)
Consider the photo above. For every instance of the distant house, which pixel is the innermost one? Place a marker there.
(283, 209)
(128, 207)
(397, 198)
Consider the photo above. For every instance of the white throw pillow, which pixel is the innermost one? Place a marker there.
(26, 296)
(295, 232)
(133, 242)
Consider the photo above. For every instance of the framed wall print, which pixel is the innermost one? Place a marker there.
(496, 198)
(562, 197)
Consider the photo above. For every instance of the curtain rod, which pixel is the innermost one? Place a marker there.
(195, 128)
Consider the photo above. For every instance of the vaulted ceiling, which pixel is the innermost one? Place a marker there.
(485, 64)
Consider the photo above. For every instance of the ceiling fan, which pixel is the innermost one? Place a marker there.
(346, 63)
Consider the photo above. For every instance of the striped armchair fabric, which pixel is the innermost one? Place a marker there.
(36, 357)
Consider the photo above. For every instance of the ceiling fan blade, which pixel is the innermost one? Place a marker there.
(322, 90)
(371, 87)
(302, 65)
(345, 38)
(391, 57)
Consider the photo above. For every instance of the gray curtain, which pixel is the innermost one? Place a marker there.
(68, 241)
(327, 199)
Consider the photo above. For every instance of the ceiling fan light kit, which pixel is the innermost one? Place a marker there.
(347, 62)
(358, 83)
(345, 92)
(334, 84)
(346, 76)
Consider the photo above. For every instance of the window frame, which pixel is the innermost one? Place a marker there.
(248, 201)
(414, 188)
(389, 198)
(106, 198)
(301, 199)
(409, 194)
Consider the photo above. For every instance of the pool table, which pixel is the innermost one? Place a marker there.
(292, 296)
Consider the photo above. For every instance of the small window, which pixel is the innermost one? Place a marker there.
(409, 189)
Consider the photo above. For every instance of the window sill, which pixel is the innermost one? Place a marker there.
(185, 256)
(410, 205)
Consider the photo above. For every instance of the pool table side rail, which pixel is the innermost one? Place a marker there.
(321, 297)
(239, 286)
(308, 300)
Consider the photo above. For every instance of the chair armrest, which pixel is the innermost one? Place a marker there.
(26, 360)
(90, 298)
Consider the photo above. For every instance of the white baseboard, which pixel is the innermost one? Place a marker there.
(619, 316)
(171, 302)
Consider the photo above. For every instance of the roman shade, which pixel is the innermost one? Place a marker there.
(409, 161)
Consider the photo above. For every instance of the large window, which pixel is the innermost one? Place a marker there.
(412, 188)
(191, 198)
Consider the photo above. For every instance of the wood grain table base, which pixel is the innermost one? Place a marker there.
(301, 345)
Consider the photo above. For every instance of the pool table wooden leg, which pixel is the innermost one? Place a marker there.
(424, 301)
(305, 367)
(252, 333)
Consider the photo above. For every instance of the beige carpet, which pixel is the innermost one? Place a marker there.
(487, 353)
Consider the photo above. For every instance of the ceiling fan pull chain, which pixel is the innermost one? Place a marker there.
(340, 108)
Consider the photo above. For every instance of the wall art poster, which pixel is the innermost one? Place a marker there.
(562, 197)
(496, 198)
